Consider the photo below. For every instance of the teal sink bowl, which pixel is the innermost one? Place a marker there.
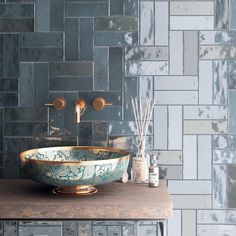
(75, 169)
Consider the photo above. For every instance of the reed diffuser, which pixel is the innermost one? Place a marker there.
(143, 114)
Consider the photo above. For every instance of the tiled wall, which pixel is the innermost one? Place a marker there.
(180, 52)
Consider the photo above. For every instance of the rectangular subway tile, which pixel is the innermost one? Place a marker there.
(101, 79)
(232, 15)
(147, 68)
(171, 172)
(222, 14)
(42, 15)
(205, 112)
(176, 52)
(224, 141)
(232, 111)
(8, 84)
(131, 7)
(17, 10)
(205, 82)
(176, 97)
(32, 230)
(217, 37)
(190, 53)
(186, 187)
(85, 134)
(205, 126)
(79, 9)
(100, 134)
(8, 99)
(191, 22)
(192, 8)
(86, 39)
(175, 223)
(161, 23)
(175, 127)
(116, 24)
(82, 68)
(190, 157)
(204, 150)
(146, 87)
(226, 52)
(219, 186)
(146, 23)
(220, 81)
(192, 201)
(146, 53)
(216, 230)
(57, 13)
(224, 156)
(231, 74)
(189, 221)
(160, 127)
(115, 68)
(175, 82)
(116, 7)
(16, 25)
(2, 56)
(169, 157)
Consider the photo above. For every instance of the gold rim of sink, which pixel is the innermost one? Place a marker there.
(92, 162)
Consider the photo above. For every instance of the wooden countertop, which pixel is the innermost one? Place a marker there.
(25, 199)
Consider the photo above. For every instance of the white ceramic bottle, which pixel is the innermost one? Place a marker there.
(153, 172)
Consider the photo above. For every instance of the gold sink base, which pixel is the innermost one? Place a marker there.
(80, 190)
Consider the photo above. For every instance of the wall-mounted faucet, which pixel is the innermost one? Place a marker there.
(58, 103)
(79, 109)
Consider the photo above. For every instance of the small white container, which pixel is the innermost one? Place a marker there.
(140, 170)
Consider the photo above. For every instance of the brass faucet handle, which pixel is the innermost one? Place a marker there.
(58, 103)
(100, 103)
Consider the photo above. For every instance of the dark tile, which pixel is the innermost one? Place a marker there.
(47, 141)
(108, 113)
(85, 134)
(41, 39)
(116, 24)
(70, 84)
(71, 39)
(33, 230)
(8, 84)
(57, 8)
(110, 97)
(12, 55)
(86, 39)
(25, 129)
(10, 159)
(116, 7)
(25, 114)
(70, 228)
(27, 84)
(16, 25)
(8, 99)
(115, 38)
(101, 69)
(231, 179)
(221, 14)
(100, 134)
(83, 69)
(56, 118)
(115, 68)
(41, 88)
(42, 15)
(40, 223)
(17, 10)
(10, 228)
(41, 54)
(1, 129)
(130, 91)
(2, 72)
(86, 9)
(131, 7)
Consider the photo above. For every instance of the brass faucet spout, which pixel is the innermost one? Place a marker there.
(79, 108)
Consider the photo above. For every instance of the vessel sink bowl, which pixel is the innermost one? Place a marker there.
(75, 169)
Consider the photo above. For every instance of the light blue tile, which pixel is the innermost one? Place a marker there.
(232, 111)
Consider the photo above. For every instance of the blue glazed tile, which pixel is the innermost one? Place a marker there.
(8, 84)
(110, 97)
(222, 14)
(115, 68)
(41, 81)
(25, 114)
(116, 24)
(232, 111)
(71, 39)
(27, 84)
(86, 9)
(116, 7)
(86, 39)
(232, 74)
(42, 15)
(41, 54)
(10, 228)
(1, 55)
(83, 69)
(1, 131)
(16, 25)
(41, 39)
(232, 14)
(70, 228)
(34, 230)
(115, 38)
(130, 91)
(101, 68)
(131, 7)
(231, 186)
(8, 99)
(57, 8)
(100, 134)
(16, 10)
(12, 55)
(70, 83)
(85, 133)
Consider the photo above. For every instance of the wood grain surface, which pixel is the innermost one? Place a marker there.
(25, 199)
